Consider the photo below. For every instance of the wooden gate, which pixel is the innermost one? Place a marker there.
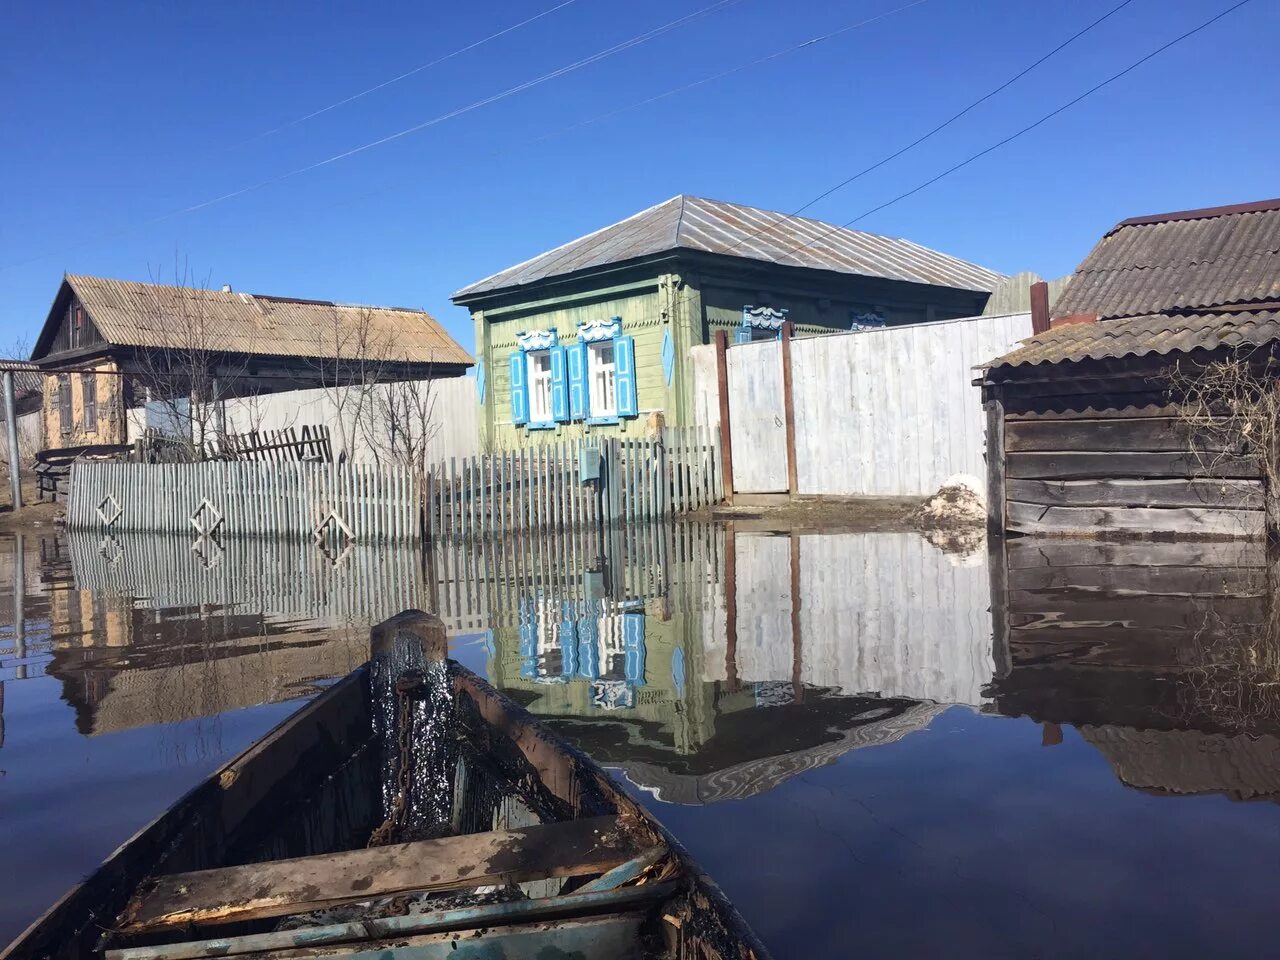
(757, 418)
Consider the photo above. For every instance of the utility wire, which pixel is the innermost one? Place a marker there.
(812, 41)
(509, 92)
(404, 76)
(1027, 129)
(930, 133)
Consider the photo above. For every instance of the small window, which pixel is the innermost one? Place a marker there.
(89, 393)
(601, 371)
(540, 386)
(77, 316)
(64, 403)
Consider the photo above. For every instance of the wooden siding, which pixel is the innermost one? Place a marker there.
(1140, 474)
(71, 335)
(108, 424)
(642, 318)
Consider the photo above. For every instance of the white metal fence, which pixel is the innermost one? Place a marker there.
(877, 412)
(336, 504)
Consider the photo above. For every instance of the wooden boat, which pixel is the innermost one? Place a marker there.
(411, 812)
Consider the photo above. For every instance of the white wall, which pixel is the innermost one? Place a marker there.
(878, 412)
(454, 417)
(28, 439)
(882, 613)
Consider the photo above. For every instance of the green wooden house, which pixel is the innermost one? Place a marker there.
(595, 334)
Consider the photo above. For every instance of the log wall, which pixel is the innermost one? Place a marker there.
(1134, 470)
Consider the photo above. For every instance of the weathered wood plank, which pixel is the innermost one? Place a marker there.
(1146, 434)
(283, 887)
(1066, 608)
(1056, 552)
(1094, 465)
(1226, 494)
(603, 938)
(1193, 521)
(1170, 581)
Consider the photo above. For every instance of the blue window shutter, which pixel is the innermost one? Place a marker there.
(743, 335)
(633, 648)
(519, 388)
(559, 386)
(589, 647)
(576, 355)
(480, 381)
(568, 640)
(624, 376)
(668, 356)
(528, 641)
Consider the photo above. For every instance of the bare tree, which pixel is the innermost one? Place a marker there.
(195, 360)
(403, 423)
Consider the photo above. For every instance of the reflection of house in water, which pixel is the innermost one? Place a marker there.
(1161, 654)
(147, 630)
(726, 667)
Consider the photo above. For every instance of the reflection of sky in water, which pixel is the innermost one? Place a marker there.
(826, 721)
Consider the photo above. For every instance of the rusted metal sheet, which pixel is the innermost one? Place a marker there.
(714, 226)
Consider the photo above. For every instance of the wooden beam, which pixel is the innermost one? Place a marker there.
(995, 469)
(283, 887)
(11, 428)
(1183, 521)
(789, 409)
(726, 436)
(1228, 494)
(1039, 307)
(1092, 465)
(358, 933)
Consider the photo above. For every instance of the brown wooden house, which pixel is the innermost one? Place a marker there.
(109, 348)
(1090, 422)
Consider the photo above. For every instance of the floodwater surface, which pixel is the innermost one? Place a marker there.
(874, 746)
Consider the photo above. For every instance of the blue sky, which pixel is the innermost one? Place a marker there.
(116, 115)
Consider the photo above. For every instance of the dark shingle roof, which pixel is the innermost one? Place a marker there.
(1175, 264)
(713, 226)
(1170, 282)
(1139, 336)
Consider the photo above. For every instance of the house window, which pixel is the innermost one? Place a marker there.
(540, 386)
(89, 394)
(64, 403)
(601, 372)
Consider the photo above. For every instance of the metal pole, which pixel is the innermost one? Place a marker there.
(11, 423)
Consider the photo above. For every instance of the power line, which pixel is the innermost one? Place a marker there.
(929, 134)
(403, 76)
(441, 118)
(794, 48)
(1027, 129)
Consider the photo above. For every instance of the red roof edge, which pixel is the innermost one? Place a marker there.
(1203, 213)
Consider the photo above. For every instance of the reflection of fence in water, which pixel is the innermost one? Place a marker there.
(274, 577)
(480, 584)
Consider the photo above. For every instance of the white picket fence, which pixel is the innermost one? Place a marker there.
(350, 503)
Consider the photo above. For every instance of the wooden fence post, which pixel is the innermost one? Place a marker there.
(789, 409)
(722, 388)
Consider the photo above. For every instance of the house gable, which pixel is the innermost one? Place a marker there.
(69, 328)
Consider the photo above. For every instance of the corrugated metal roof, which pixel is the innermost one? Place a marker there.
(714, 226)
(153, 315)
(1139, 336)
(28, 381)
(1183, 265)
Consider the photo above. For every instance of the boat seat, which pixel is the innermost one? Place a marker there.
(278, 888)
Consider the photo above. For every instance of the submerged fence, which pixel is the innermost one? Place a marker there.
(589, 483)
(327, 502)
(575, 483)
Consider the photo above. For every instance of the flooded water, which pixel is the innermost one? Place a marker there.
(874, 746)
